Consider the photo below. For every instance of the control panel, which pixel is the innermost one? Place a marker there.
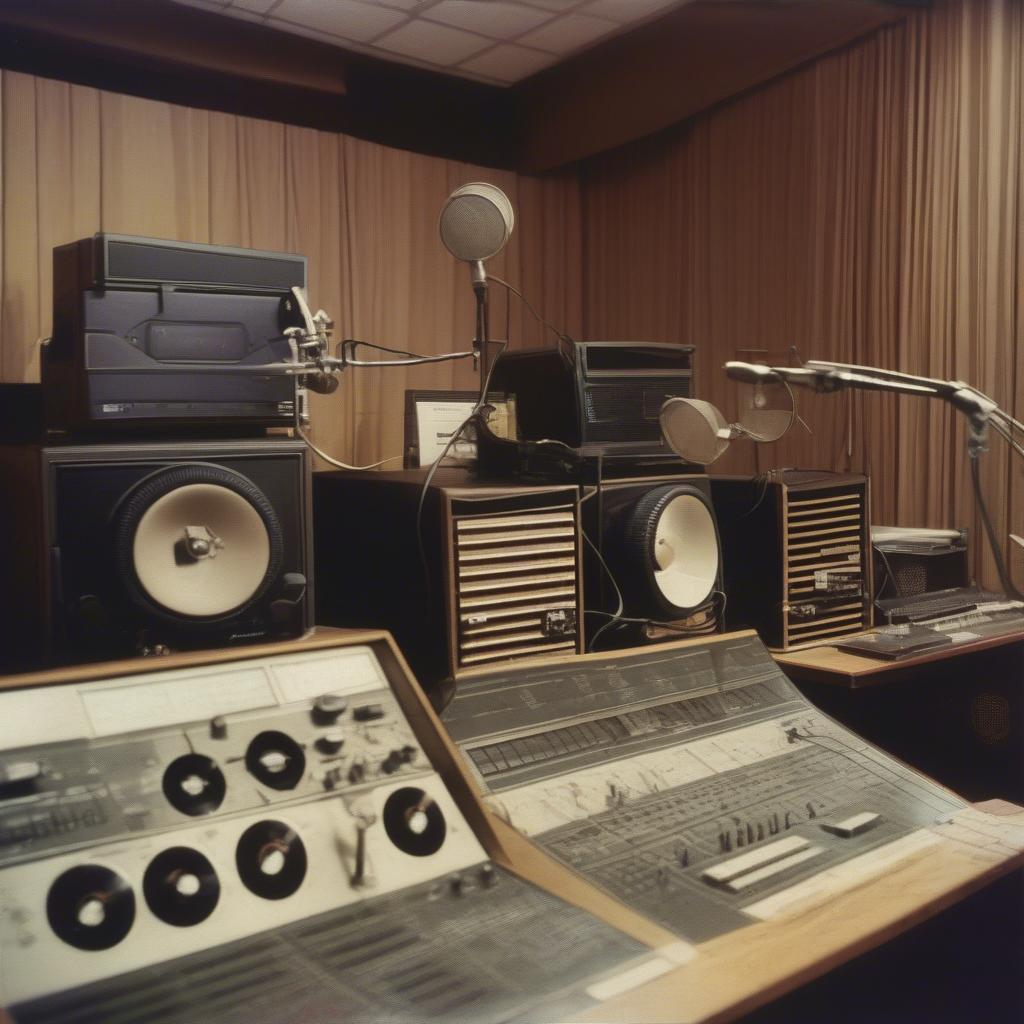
(228, 816)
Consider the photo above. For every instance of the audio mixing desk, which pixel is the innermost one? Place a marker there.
(287, 833)
(693, 783)
(259, 835)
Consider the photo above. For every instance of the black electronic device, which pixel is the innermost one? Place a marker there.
(906, 569)
(115, 548)
(796, 553)
(596, 397)
(655, 542)
(478, 574)
(150, 333)
(328, 876)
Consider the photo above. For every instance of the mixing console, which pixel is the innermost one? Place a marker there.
(263, 840)
(699, 784)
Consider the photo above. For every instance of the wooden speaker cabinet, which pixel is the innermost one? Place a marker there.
(797, 555)
(464, 575)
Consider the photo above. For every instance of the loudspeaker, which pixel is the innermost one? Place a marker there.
(797, 557)
(119, 548)
(464, 575)
(657, 538)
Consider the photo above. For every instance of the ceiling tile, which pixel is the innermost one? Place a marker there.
(508, 63)
(497, 20)
(567, 33)
(436, 44)
(625, 11)
(346, 18)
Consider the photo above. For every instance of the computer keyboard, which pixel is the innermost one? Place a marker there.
(939, 604)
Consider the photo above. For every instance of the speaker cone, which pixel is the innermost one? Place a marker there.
(672, 557)
(196, 543)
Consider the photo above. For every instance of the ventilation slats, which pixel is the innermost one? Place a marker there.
(517, 584)
(824, 555)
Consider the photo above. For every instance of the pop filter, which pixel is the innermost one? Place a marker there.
(476, 222)
(695, 430)
(767, 410)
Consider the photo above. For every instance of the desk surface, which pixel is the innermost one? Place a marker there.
(831, 666)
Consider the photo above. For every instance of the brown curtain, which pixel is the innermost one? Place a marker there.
(866, 208)
(77, 160)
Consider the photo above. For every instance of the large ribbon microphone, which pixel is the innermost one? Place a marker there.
(475, 224)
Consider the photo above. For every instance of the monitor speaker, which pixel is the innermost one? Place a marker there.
(658, 541)
(465, 575)
(142, 545)
(797, 555)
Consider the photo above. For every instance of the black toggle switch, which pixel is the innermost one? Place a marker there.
(368, 712)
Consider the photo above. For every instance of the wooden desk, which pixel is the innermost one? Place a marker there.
(829, 666)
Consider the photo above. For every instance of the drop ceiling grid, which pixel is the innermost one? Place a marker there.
(496, 41)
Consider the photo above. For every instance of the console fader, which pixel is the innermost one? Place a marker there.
(264, 839)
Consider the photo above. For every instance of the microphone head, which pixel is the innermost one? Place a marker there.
(695, 430)
(476, 221)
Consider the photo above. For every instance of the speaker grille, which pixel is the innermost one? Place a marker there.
(826, 580)
(626, 412)
(990, 718)
(516, 584)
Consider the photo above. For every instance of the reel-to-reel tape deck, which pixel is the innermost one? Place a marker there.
(263, 839)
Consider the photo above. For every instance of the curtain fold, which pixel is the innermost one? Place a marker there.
(866, 208)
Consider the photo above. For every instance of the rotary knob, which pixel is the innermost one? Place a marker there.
(328, 708)
(331, 742)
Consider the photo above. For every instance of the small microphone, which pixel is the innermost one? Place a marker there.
(322, 383)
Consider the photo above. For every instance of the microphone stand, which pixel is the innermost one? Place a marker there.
(981, 413)
(481, 343)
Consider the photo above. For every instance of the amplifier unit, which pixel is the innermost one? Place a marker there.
(797, 554)
(266, 838)
(476, 575)
(905, 568)
(154, 333)
(118, 548)
(600, 397)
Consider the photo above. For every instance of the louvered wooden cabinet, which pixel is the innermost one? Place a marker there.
(796, 553)
(497, 576)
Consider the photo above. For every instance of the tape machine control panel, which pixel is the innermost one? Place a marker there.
(262, 839)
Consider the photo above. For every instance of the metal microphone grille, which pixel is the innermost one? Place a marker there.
(476, 222)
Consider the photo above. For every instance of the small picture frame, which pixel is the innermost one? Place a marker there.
(431, 417)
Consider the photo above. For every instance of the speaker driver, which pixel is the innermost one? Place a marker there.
(414, 822)
(90, 907)
(196, 543)
(672, 549)
(271, 859)
(181, 887)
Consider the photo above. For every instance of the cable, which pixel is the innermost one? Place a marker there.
(522, 298)
(1004, 577)
(480, 402)
(618, 594)
(413, 358)
(335, 462)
